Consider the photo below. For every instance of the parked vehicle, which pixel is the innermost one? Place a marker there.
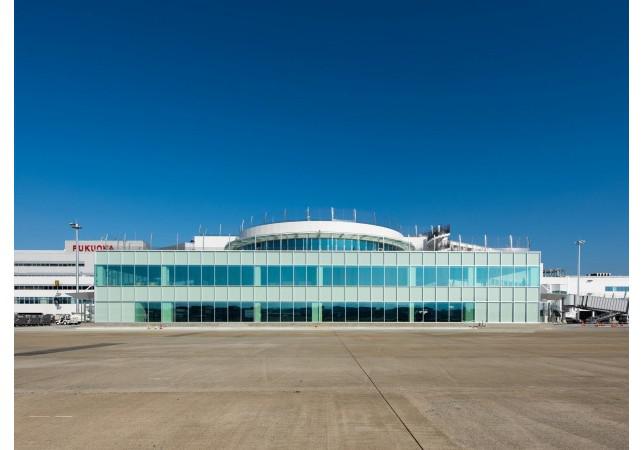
(70, 319)
(32, 319)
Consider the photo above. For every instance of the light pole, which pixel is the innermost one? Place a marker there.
(579, 244)
(76, 227)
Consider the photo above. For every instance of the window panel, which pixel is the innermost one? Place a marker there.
(167, 275)
(533, 276)
(273, 275)
(181, 311)
(377, 276)
(100, 275)
(300, 275)
(390, 276)
(419, 312)
(377, 312)
(481, 276)
(430, 311)
(221, 275)
(194, 275)
(221, 311)
(419, 276)
(442, 276)
(247, 310)
(127, 275)
(234, 279)
(114, 275)
(494, 276)
(364, 278)
(351, 314)
(154, 274)
(207, 276)
(507, 276)
(273, 311)
(311, 275)
(299, 311)
(391, 312)
(338, 311)
(327, 312)
(403, 276)
(194, 312)
(352, 276)
(455, 276)
(247, 275)
(287, 275)
(180, 275)
(141, 275)
(442, 312)
(154, 311)
(468, 276)
(207, 312)
(338, 276)
(455, 312)
(140, 312)
(520, 276)
(468, 312)
(429, 276)
(403, 312)
(327, 276)
(234, 311)
(364, 312)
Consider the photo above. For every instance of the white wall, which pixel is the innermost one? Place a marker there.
(587, 285)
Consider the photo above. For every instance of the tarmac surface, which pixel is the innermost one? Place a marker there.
(515, 387)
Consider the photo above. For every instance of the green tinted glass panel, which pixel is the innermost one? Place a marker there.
(180, 276)
(352, 276)
(127, 275)
(300, 275)
(234, 276)
(221, 275)
(208, 275)
(154, 273)
(247, 275)
(403, 276)
(442, 276)
(429, 276)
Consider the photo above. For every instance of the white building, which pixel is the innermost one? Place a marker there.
(595, 284)
(44, 279)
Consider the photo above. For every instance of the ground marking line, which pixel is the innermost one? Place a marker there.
(38, 416)
(63, 416)
(379, 391)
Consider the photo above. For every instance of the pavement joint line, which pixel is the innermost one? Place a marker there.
(65, 349)
(379, 391)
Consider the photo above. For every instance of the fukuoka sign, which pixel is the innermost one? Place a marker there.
(92, 247)
(100, 246)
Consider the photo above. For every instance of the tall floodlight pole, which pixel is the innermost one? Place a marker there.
(579, 243)
(76, 227)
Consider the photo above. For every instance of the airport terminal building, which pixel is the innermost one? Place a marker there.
(319, 271)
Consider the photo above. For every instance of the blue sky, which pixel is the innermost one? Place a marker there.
(496, 117)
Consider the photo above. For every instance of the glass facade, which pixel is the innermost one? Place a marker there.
(321, 244)
(392, 276)
(301, 286)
